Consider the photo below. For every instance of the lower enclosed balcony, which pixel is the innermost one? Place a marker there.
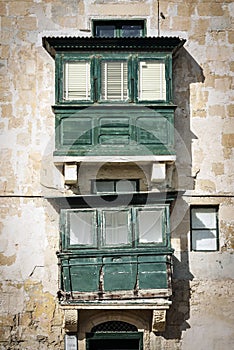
(134, 281)
(116, 256)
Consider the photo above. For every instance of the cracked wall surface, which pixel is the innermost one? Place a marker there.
(201, 315)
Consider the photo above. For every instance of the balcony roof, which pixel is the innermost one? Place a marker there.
(153, 44)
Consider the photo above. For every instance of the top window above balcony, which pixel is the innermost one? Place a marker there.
(118, 29)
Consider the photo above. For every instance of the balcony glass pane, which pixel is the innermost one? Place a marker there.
(116, 228)
(150, 226)
(82, 228)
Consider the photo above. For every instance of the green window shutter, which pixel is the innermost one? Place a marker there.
(77, 80)
(114, 80)
(152, 81)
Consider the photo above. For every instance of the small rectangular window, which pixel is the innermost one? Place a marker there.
(119, 29)
(114, 77)
(204, 228)
(152, 81)
(115, 186)
(77, 80)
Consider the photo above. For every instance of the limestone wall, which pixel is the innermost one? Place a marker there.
(201, 316)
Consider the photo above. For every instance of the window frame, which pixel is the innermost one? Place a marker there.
(115, 181)
(194, 229)
(113, 58)
(98, 230)
(117, 24)
(95, 59)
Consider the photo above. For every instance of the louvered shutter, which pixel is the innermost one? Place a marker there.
(114, 76)
(77, 81)
(152, 82)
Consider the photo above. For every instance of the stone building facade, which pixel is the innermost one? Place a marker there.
(34, 182)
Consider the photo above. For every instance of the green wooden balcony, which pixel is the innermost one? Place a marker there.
(97, 278)
(114, 131)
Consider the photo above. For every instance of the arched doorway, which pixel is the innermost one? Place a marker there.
(114, 335)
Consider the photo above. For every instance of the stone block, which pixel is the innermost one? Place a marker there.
(27, 23)
(223, 84)
(186, 9)
(5, 333)
(230, 110)
(120, 9)
(215, 9)
(231, 37)
(181, 23)
(216, 111)
(228, 140)
(19, 8)
(3, 8)
(206, 185)
(218, 168)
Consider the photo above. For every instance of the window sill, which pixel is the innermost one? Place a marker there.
(154, 303)
(59, 160)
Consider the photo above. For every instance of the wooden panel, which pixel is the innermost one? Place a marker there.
(129, 132)
(114, 131)
(152, 130)
(82, 274)
(120, 273)
(152, 272)
(76, 131)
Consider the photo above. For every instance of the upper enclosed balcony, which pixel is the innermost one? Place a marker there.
(113, 96)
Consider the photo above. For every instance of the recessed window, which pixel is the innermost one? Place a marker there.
(204, 228)
(117, 29)
(114, 186)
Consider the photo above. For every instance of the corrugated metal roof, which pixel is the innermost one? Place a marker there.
(54, 44)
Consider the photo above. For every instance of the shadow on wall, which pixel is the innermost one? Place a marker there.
(186, 71)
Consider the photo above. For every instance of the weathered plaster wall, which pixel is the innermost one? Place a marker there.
(201, 315)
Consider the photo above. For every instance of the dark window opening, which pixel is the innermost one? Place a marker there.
(114, 326)
(114, 186)
(119, 29)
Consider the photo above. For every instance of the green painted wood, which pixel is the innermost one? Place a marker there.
(95, 58)
(120, 273)
(81, 274)
(88, 131)
(152, 272)
(118, 267)
(76, 131)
